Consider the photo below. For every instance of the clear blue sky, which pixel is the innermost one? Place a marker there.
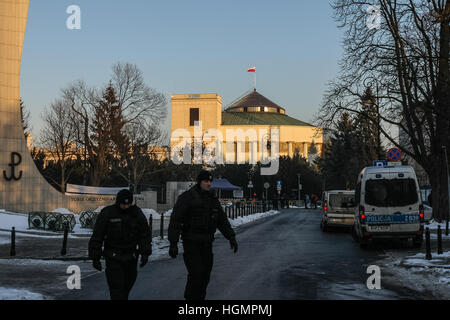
(197, 46)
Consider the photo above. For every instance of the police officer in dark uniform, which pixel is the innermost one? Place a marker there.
(196, 217)
(123, 231)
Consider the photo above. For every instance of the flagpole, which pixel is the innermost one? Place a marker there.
(255, 81)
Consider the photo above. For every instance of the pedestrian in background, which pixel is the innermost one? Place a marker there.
(306, 201)
(121, 234)
(315, 198)
(196, 217)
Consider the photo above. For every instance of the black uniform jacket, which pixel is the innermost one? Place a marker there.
(196, 217)
(124, 233)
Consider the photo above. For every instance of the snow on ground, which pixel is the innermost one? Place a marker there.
(9, 220)
(20, 221)
(244, 220)
(19, 294)
(420, 274)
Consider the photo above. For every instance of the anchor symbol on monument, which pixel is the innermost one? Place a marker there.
(13, 165)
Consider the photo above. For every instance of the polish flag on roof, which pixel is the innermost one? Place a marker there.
(253, 69)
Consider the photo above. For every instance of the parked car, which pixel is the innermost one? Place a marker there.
(338, 209)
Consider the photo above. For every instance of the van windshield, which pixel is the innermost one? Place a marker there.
(391, 193)
(341, 201)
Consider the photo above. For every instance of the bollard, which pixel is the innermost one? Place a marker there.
(428, 244)
(150, 225)
(440, 240)
(64, 246)
(161, 230)
(12, 253)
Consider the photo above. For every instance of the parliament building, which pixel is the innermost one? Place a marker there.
(253, 111)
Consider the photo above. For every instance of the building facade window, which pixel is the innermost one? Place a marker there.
(194, 116)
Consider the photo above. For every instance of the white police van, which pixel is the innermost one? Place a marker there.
(388, 205)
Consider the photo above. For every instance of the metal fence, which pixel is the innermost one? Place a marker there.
(243, 209)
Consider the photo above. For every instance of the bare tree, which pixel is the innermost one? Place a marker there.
(58, 136)
(104, 113)
(407, 59)
(136, 153)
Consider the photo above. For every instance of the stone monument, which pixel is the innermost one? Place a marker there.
(22, 187)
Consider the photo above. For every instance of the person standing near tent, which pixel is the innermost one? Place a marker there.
(196, 217)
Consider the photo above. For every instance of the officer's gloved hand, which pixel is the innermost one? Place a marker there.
(233, 244)
(97, 264)
(173, 251)
(144, 260)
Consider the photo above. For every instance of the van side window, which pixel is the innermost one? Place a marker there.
(358, 193)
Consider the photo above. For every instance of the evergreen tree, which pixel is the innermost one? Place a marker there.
(367, 128)
(342, 161)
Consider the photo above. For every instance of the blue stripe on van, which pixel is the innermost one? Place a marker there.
(394, 218)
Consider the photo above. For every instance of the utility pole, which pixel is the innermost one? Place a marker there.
(448, 189)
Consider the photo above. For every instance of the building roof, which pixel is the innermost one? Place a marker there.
(254, 99)
(256, 118)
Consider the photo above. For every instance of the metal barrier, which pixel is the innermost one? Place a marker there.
(244, 209)
(51, 221)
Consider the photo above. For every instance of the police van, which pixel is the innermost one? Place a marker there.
(388, 205)
(338, 209)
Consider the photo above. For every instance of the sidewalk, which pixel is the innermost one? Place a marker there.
(410, 268)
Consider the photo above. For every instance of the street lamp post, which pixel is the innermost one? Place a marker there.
(298, 176)
(448, 189)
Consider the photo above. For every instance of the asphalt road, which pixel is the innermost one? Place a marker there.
(285, 257)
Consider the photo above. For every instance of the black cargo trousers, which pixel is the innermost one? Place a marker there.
(199, 259)
(121, 274)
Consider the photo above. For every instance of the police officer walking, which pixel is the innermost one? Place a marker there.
(123, 231)
(196, 217)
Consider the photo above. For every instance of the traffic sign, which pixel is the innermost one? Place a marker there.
(380, 163)
(279, 183)
(266, 185)
(395, 155)
(300, 187)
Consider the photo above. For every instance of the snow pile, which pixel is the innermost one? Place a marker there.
(63, 211)
(99, 209)
(19, 294)
(160, 248)
(420, 274)
(434, 225)
(9, 220)
(153, 213)
(244, 220)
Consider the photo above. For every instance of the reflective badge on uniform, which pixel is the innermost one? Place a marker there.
(115, 220)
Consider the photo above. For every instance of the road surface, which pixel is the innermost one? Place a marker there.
(285, 257)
